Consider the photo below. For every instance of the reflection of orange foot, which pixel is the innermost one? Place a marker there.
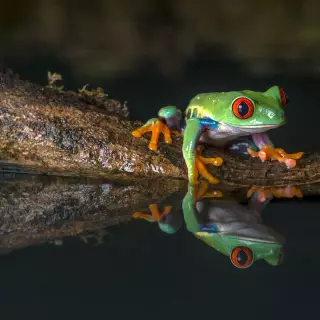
(287, 192)
(284, 192)
(200, 191)
(263, 193)
(202, 170)
(155, 213)
(270, 153)
(155, 126)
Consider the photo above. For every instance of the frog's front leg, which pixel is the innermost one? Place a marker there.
(194, 161)
(191, 215)
(156, 215)
(268, 152)
(169, 119)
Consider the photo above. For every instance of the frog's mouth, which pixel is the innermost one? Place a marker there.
(262, 127)
(259, 129)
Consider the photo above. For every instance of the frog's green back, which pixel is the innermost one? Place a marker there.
(267, 107)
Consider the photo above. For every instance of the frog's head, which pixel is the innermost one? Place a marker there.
(244, 252)
(244, 256)
(252, 111)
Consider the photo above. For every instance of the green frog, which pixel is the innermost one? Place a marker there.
(233, 229)
(222, 119)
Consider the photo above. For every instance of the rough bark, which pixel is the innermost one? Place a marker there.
(36, 209)
(65, 133)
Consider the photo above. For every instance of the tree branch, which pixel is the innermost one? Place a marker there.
(77, 134)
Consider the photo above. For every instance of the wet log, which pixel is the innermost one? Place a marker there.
(62, 132)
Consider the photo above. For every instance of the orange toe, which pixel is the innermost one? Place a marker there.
(155, 215)
(201, 191)
(202, 170)
(287, 192)
(264, 193)
(156, 127)
(295, 156)
(270, 153)
(136, 133)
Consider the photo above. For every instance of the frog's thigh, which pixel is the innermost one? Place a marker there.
(207, 136)
(212, 138)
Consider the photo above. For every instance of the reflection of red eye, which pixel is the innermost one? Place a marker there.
(284, 97)
(242, 257)
(242, 108)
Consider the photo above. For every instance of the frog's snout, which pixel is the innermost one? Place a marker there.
(275, 116)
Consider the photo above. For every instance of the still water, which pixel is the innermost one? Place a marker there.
(70, 250)
(73, 249)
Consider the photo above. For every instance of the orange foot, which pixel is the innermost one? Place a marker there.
(201, 169)
(200, 192)
(270, 153)
(155, 213)
(285, 192)
(155, 126)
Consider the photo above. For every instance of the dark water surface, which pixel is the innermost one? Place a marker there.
(140, 271)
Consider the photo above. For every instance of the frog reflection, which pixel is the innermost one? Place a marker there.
(168, 221)
(229, 227)
(233, 229)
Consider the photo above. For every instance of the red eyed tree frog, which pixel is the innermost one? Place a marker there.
(218, 119)
(233, 229)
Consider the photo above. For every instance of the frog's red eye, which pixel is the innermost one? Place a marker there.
(242, 108)
(284, 97)
(242, 257)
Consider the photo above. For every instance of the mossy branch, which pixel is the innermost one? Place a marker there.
(63, 132)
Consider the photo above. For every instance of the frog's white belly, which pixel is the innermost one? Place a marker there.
(222, 135)
(237, 220)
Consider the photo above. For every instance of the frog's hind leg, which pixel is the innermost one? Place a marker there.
(268, 152)
(169, 119)
(200, 166)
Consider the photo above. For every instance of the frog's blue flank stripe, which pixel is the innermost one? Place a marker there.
(209, 123)
(205, 122)
(210, 228)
